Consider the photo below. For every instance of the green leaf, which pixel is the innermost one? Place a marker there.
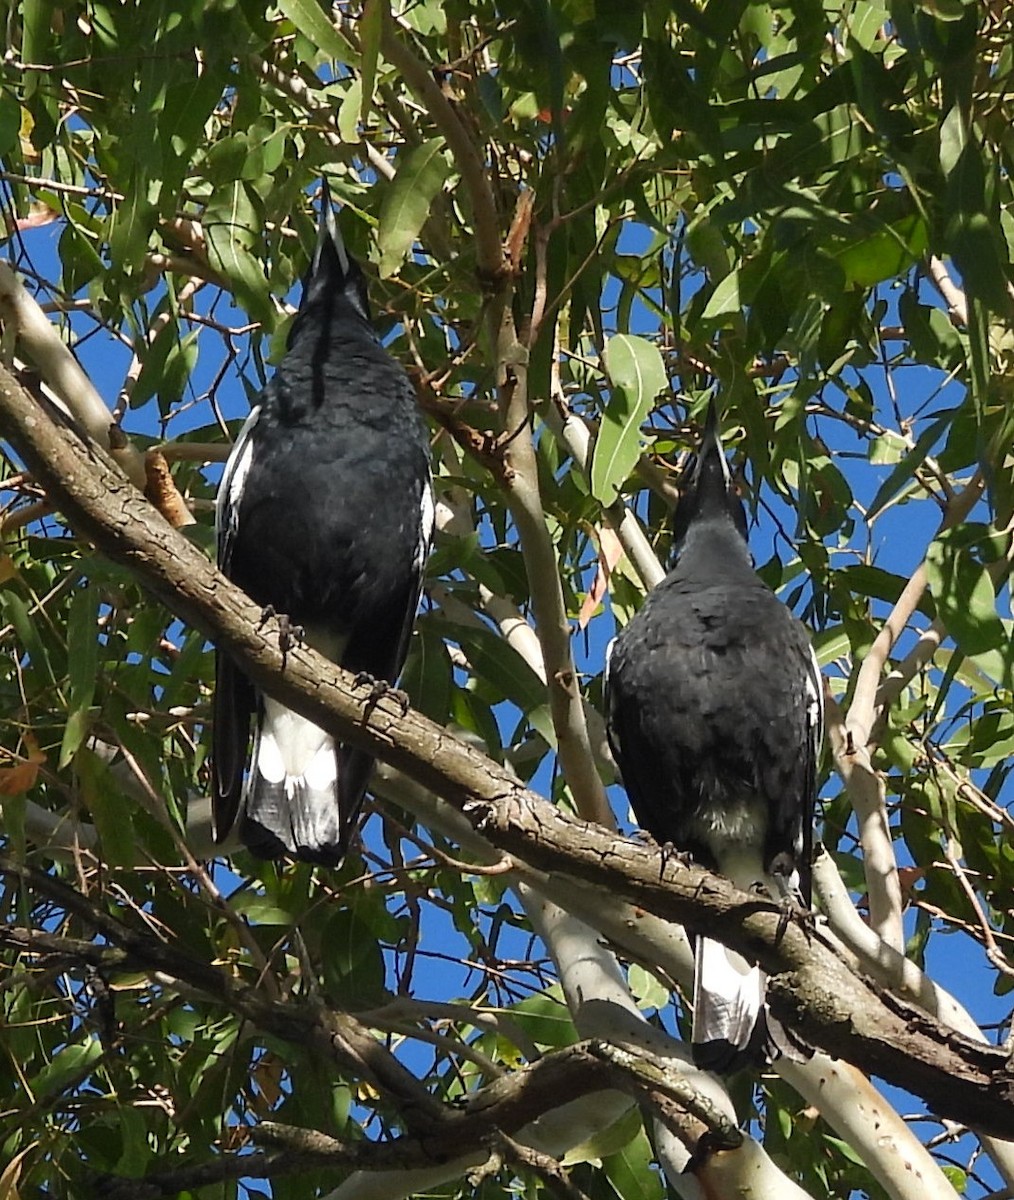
(311, 21)
(348, 113)
(630, 1170)
(944, 10)
(497, 663)
(66, 1067)
(371, 28)
(82, 667)
(259, 910)
(724, 300)
(108, 808)
(16, 612)
(846, 1150)
(966, 602)
(354, 964)
(607, 1141)
(884, 254)
(952, 139)
(546, 1019)
(153, 363)
(904, 471)
(179, 366)
(134, 1138)
(647, 990)
(10, 123)
(230, 228)
(407, 202)
(956, 1177)
(428, 678)
(130, 227)
(972, 234)
(638, 376)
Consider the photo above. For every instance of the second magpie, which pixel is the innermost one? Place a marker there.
(715, 718)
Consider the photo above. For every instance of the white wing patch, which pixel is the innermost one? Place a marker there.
(728, 995)
(426, 517)
(815, 702)
(230, 490)
(605, 670)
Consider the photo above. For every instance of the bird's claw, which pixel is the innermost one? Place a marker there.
(791, 910)
(807, 921)
(669, 853)
(379, 688)
(289, 635)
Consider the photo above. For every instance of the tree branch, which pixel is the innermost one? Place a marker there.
(506, 1106)
(827, 1084)
(42, 345)
(521, 483)
(810, 986)
(420, 80)
(852, 744)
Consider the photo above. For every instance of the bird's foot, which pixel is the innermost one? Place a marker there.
(669, 853)
(792, 910)
(808, 921)
(289, 635)
(380, 688)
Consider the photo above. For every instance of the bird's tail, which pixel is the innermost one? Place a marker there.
(730, 1027)
(302, 792)
(733, 1027)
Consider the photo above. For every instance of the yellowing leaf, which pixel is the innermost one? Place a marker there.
(610, 553)
(16, 780)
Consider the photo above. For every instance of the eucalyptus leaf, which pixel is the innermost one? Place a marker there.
(638, 377)
(408, 201)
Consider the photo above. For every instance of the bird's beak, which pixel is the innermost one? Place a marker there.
(328, 231)
(711, 444)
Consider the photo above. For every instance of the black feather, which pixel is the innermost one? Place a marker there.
(715, 719)
(325, 514)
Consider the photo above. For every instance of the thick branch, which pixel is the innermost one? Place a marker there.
(810, 985)
(826, 1083)
(505, 1106)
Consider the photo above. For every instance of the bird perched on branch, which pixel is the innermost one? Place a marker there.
(715, 718)
(324, 515)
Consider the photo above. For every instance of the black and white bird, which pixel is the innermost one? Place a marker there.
(715, 718)
(324, 515)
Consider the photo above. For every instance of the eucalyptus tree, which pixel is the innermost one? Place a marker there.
(579, 222)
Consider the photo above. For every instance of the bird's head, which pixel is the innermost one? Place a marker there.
(334, 275)
(708, 493)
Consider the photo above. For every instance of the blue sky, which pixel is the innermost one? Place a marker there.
(899, 541)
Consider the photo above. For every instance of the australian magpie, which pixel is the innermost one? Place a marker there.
(324, 514)
(715, 718)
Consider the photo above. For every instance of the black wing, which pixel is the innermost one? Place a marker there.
(235, 697)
